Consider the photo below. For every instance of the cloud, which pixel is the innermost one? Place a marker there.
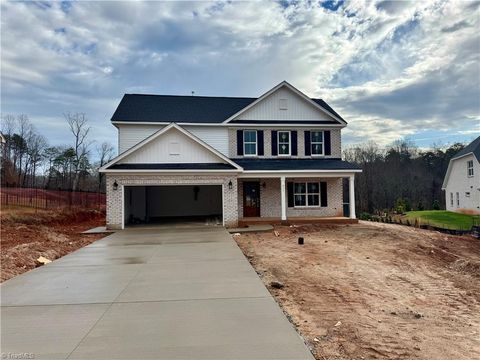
(390, 68)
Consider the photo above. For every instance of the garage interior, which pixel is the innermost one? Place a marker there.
(173, 203)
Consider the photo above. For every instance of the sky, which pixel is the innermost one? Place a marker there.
(392, 69)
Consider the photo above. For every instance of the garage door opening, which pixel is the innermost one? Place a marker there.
(173, 203)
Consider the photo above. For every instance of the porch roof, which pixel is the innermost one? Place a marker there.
(294, 164)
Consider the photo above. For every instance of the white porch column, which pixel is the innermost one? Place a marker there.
(351, 200)
(283, 201)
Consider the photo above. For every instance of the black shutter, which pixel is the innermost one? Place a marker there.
(239, 142)
(290, 194)
(260, 145)
(293, 135)
(307, 144)
(274, 143)
(328, 142)
(323, 194)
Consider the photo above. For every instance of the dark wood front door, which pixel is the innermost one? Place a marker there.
(251, 199)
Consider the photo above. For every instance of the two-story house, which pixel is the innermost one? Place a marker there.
(462, 180)
(275, 158)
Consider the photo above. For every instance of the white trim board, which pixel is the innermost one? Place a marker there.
(229, 125)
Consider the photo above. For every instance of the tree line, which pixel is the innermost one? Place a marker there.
(400, 177)
(397, 177)
(28, 160)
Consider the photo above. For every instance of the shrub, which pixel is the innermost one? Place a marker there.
(400, 206)
(420, 206)
(365, 216)
(436, 205)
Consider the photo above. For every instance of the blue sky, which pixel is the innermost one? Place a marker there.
(391, 69)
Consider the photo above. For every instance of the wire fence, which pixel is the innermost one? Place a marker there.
(51, 199)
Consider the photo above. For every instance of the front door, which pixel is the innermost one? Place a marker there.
(251, 199)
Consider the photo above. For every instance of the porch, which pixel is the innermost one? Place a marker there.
(296, 198)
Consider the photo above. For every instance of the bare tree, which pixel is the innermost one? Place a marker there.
(79, 128)
(105, 153)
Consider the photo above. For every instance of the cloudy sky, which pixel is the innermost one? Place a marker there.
(391, 69)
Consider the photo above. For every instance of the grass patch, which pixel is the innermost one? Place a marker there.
(444, 219)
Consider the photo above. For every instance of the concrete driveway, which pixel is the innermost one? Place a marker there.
(147, 293)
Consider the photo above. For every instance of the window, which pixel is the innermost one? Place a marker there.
(451, 199)
(306, 194)
(317, 142)
(458, 199)
(282, 104)
(250, 142)
(470, 168)
(284, 143)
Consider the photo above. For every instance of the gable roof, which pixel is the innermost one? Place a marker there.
(178, 108)
(110, 165)
(195, 109)
(295, 91)
(473, 147)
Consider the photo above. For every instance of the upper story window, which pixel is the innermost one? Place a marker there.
(317, 143)
(250, 142)
(283, 104)
(284, 143)
(470, 168)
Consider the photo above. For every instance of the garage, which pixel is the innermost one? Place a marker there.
(172, 203)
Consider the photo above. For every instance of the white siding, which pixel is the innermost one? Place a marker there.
(159, 150)
(216, 137)
(297, 108)
(130, 135)
(458, 181)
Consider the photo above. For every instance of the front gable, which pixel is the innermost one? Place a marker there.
(284, 103)
(171, 145)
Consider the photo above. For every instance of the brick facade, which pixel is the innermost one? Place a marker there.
(115, 201)
(335, 136)
(270, 205)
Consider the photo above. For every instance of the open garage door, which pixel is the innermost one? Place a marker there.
(172, 203)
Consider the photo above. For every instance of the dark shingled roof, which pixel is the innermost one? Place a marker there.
(184, 109)
(172, 166)
(295, 164)
(473, 147)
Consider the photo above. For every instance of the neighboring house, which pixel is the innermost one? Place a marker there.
(462, 180)
(272, 158)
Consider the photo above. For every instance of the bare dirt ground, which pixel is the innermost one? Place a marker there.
(27, 234)
(374, 291)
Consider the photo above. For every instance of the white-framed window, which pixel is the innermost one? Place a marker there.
(283, 104)
(317, 143)
(250, 142)
(283, 143)
(451, 199)
(306, 194)
(470, 168)
(458, 199)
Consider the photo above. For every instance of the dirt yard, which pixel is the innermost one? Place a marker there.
(374, 291)
(27, 234)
